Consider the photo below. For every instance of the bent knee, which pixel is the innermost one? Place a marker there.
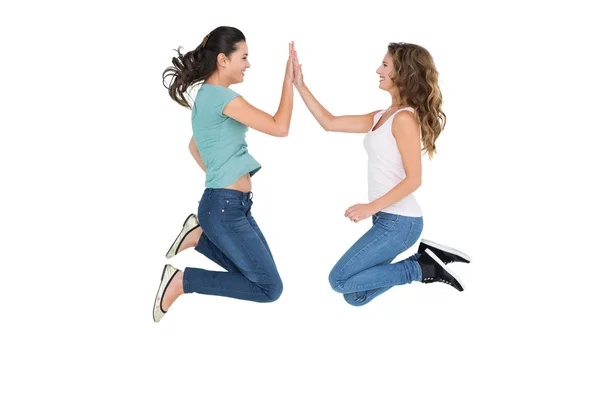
(355, 300)
(273, 291)
(335, 280)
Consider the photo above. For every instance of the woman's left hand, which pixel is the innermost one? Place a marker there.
(358, 212)
(289, 68)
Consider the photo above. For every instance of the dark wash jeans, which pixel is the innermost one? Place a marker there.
(232, 239)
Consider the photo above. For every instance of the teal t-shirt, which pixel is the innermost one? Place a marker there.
(221, 140)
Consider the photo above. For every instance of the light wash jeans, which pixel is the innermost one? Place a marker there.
(366, 270)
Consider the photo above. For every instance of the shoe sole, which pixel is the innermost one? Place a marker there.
(446, 249)
(181, 237)
(448, 270)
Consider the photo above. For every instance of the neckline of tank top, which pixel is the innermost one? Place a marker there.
(390, 117)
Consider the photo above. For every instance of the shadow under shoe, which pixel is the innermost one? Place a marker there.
(444, 253)
(433, 270)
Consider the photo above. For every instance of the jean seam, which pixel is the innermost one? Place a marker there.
(220, 249)
(410, 232)
(351, 260)
(260, 270)
(369, 286)
(214, 231)
(261, 236)
(387, 229)
(259, 294)
(230, 227)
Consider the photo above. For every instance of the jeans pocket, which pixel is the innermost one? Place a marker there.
(236, 221)
(232, 203)
(203, 208)
(386, 221)
(227, 206)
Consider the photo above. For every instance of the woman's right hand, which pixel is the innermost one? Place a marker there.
(298, 77)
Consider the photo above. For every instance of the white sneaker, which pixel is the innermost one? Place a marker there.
(167, 276)
(191, 223)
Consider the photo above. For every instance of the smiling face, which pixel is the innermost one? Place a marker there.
(237, 63)
(386, 73)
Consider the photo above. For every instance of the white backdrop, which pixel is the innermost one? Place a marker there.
(97, 180)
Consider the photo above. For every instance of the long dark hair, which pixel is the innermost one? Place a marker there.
(197, 65)
(417, 80)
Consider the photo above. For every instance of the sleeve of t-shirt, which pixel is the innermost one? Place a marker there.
(224, 96)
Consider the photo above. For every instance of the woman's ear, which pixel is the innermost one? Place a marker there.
(222, 60)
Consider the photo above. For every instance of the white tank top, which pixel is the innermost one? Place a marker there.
(385, 168)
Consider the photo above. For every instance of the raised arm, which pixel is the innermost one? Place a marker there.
(276, 125)
(345, 123)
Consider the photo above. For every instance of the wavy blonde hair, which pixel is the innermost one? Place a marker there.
(417, 80)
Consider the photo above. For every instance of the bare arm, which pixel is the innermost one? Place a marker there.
(405, 129)
(276, 125)
(345, 123)
(196, 154)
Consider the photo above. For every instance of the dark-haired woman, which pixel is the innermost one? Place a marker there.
(224, 230)
(393, 143)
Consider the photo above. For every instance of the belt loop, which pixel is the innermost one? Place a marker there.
(251, 195)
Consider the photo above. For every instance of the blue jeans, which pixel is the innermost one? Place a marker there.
(231, 238)
(366, 270)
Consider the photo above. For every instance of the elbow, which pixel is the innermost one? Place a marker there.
(279, 129)
(284, 133)
(328, 123)
(417, 183)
